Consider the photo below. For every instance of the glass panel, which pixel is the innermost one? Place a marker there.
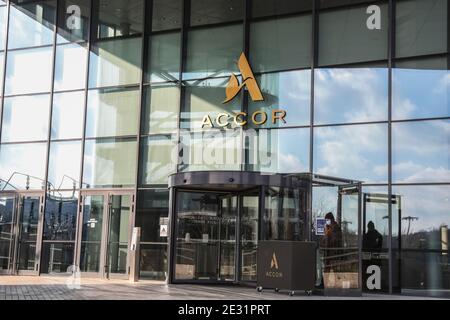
(375, 224)
(271, 45)
(262, 8)
(339, 245)
(211, 150)
(70, 72)
(227, 241)
(196, 255)
(164, 60)
(28, 225)
(351, 95)
(19, 80)
(287, 99)
(91, 233)
(212, 52)
(57, 257)
(110, 163)
(355, 152)
(152, 214)
(159, 158)
(73, 20)
(119, 230)
(67, 115)
(115, 62)
(420, 93)
(112, 112)
(249, 236)
(31, 24)
(421, 151)
(285, 215)
(421, 27)
(205, 99)
(6, 232)
(18, 170)
(61, 210)
(25, 118)
(153, 261)
(215, 11)
(2, 69)
(119, 19)
(349, 36)
(161, 111)
(273, 151)
(166, 14)
(3, 17)
(64, 165)
(424, 228)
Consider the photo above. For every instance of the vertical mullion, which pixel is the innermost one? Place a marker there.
(391, 55)
(244, 154)
(185, 22)
(47, 186)
(90, 33)
(314, 59)
(145, 54)
(2, 102)
(91, 36)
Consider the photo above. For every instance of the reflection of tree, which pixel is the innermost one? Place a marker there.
(409, 219)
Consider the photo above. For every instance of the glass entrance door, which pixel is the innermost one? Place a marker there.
(119, 222)
(105, 225)
(216, 236)
(7, 218)
(30, 211)
(227, 241)
(248, 229)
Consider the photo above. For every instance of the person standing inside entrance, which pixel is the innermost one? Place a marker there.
(372, 240)
(331, 242)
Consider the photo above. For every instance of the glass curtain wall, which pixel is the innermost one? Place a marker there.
(366, 97)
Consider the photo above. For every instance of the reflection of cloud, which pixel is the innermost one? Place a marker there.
(351, 95)
(413, 172)
(421, 151)
(355, 152)
(429, 203)
(291, 163)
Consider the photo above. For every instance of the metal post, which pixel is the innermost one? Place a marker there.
(134, 254)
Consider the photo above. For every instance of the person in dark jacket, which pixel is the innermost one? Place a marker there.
(331, 242)
(372, 239)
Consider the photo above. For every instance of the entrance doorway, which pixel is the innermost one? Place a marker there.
(218, 218)
(21, 218)
(217, 235)
(104, 231)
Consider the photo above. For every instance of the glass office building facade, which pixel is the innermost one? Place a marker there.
(101, 101)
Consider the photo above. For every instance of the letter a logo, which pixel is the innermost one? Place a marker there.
(249, 81)
(274, 262)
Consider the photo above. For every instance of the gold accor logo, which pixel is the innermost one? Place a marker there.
(274, 262)
(234, 87)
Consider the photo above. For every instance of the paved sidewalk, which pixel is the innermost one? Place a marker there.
(55, 288)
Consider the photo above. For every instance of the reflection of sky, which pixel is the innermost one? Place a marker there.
(353, 152)
(26, 159)
(70, 68)
(26, 31)
(351, 95)
(18, 77)
(26, 118)
(281, 151)
(290, 91)
(430, 204)
(420, 93)
(65, 160)
(421, 151)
